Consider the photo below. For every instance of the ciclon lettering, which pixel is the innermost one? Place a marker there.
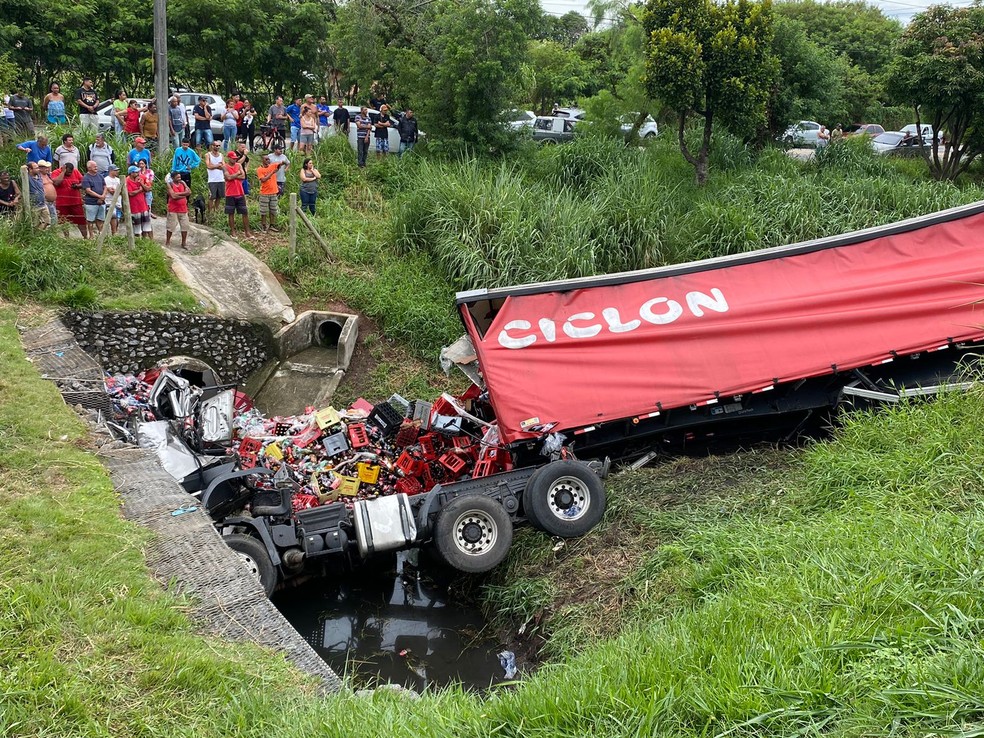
(517, 334)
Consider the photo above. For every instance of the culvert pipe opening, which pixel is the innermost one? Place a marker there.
(329, 333)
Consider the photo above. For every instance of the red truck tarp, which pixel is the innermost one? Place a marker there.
(588, 351)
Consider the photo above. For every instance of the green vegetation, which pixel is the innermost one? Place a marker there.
(47, 267)
(830, 591)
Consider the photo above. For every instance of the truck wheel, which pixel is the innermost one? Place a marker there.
(255, 558)
(565, 499)
(473, 533)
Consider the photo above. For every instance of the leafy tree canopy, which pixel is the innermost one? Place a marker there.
(939, 71)
(711, 60)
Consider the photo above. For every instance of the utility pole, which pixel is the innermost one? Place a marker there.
(160, 75)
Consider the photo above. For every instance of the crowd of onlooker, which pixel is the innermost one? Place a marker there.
(86, 188)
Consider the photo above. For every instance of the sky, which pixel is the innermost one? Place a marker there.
(902, 10)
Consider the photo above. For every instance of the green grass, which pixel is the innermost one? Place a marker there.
(50, 268)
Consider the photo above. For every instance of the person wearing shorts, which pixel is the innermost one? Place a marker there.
(269, 193)
(235, 195)
(177, 209)
(136, 189)
(279, 157)
(214, 163)
(94, 198)
(68, 202)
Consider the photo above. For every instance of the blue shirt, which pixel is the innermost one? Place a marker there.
(185, 160)
(294, 111)
(323, 115)
(134, 156)
(35, 152)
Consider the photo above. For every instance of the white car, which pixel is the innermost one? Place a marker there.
(104, 111)
(804, 133)
(927, 131)
(393, 135)
(190, 99)
(647, 130)
(519, 120)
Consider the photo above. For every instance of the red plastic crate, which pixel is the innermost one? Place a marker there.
(462, 443)
(442, 407)
(250, 446)
(453, 463)
(406, 435)
(428, 446)
(358, 437)
(483, 468)
(408, 464)
(409, 486)
(427, 478)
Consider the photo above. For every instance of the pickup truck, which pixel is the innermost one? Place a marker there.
(572, 373)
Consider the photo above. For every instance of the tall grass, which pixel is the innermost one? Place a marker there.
(594, 206)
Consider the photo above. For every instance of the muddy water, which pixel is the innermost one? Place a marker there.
(395, 628)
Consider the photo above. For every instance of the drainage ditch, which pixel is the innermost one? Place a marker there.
(401, 627)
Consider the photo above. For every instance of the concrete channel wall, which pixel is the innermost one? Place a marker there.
(129, 341)
(186, 551)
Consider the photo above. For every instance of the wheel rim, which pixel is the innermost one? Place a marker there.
(475, 533)
(250, 563)
(569, 498)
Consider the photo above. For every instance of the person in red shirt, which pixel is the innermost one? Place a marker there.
(136, 189)
(235, 196)
(131, 119)
(68, 203)
(177, 209)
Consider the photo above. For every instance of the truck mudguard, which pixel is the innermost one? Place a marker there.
(566, 355)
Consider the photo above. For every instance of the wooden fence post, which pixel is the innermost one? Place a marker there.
(293, 225)
(317, 236)
(25, 188)
(110, 209)
(127, 220)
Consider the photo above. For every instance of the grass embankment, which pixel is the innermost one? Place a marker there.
(830, 591)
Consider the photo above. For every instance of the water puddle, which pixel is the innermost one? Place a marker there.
(394, 628)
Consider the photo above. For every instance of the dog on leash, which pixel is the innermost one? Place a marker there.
(199, 205)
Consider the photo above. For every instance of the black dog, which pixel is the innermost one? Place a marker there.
(199, 204)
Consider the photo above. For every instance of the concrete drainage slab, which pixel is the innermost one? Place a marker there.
(313, 354)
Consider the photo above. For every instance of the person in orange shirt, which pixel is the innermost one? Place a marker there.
(269, 202)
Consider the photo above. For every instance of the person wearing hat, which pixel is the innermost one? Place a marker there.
(202, 114)
(235, 196)
(102, 153)
(309, 125)
(115, 211)
(136, 190)
(138, 152)
(279, 158)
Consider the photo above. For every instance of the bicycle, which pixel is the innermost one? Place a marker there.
(269, 137)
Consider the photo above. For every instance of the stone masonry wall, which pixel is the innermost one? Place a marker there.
(130, 341)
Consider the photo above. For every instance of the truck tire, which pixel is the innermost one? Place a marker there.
(473, 533)
(565, 499)
(255, 558)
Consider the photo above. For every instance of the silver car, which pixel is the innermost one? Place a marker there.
(804, 133)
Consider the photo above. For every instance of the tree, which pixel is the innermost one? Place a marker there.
(555, 73)
(711, 60)
(939, 70)
(810, 82)
(565, 29)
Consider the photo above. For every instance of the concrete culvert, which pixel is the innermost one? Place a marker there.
(329, 332)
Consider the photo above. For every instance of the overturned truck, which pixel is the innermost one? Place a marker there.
(571, 373)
